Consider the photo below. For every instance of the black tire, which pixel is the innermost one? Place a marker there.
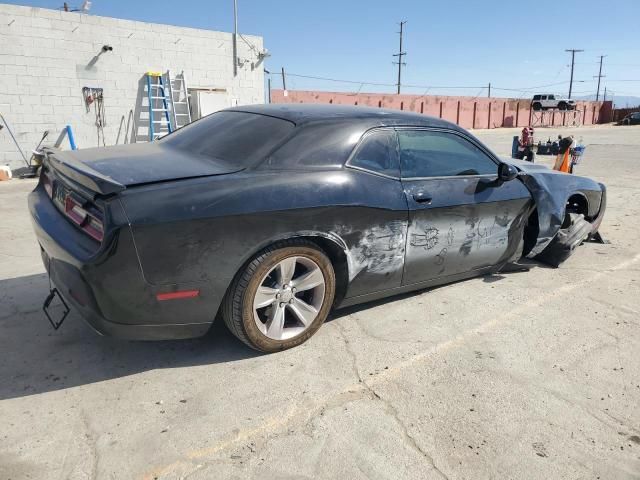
(537, 106)
(575, 230)
(237, 306)
(562, 106)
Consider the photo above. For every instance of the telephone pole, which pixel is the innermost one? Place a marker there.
(573, 57)
(599, 77)
(400, 54)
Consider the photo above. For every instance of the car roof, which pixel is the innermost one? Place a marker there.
(312, 113)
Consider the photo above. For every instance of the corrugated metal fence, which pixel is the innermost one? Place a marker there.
(468, 112)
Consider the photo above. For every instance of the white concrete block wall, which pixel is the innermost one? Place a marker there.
(44, 58)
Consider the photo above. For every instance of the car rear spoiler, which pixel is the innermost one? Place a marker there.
(65, 163)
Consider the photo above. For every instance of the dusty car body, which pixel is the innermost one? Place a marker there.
(631, 119)
(172, 227)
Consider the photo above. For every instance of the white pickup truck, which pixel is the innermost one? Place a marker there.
(546, 101)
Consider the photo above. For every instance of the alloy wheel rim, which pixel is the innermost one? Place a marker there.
(289, 298)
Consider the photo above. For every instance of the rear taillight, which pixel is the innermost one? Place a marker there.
(95, 228)
(87, 219)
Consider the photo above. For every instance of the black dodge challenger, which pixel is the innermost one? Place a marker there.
(270, 216)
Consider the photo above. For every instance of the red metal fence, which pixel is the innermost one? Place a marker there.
(468, 112)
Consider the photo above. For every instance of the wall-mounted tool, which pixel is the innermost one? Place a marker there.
(95, 97)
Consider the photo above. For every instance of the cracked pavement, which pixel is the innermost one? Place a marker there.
(518, 375)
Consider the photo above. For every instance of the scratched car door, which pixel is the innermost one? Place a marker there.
(460, 217)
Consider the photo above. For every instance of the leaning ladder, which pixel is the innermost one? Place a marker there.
(179, 96)
(158, 106)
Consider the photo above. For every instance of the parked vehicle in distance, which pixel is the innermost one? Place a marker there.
(269, 216)
(548, 101)
(631, 119)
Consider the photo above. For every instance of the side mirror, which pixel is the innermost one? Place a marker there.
(507, 172)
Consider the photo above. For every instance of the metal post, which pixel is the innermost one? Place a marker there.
(72, 140)
(284, 81)
(489, 94)
(235, 38)
(151, 133)
(24, 157)
(269, 90)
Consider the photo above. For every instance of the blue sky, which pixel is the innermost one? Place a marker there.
(513, 45)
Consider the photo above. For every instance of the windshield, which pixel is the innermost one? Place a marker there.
(240, 138)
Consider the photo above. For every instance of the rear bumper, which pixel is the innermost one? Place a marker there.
(78, 293)
(109, 285)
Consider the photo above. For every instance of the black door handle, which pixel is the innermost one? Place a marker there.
(422, 197)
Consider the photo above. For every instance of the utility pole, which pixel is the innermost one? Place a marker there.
(604, 99)
(489, 93)
(400, 54)
(284, 82)
(573, 57)
(599, 77)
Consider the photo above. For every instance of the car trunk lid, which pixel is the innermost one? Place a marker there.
(112, 169)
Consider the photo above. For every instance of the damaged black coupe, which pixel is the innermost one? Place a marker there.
(270, 216)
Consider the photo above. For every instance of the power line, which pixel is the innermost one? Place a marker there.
(531, 88)
(423, 87)
(400, 54)
(573, 57)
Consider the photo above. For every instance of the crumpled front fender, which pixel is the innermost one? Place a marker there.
(550, 191)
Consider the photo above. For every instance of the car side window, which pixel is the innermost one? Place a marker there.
(425, 153)
(536, 97)
(378, 152)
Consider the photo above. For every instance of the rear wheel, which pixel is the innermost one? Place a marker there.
(282, 297)
(562, 106)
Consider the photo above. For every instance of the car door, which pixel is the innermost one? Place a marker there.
(377, 235)
(461, 218)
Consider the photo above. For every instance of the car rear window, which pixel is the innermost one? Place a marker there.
(240, 138)
(318, 145)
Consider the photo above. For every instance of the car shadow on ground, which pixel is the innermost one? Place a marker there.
(36, 359)
(523, 266)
